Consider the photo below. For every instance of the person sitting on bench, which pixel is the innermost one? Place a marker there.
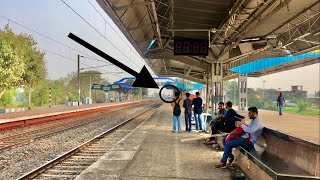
(255, 129)
(229, 124)
(217, 124)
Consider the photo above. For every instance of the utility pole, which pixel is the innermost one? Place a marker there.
(78, 80)
(90, 88)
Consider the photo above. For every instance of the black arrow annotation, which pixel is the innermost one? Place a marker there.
(143, 79)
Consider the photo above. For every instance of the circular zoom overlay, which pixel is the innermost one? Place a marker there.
(167, 92)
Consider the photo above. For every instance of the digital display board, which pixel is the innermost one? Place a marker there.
(191, 47)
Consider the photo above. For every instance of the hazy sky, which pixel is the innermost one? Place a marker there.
(56, 20)
(307, 76)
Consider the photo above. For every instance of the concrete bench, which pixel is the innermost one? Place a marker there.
(280, 156)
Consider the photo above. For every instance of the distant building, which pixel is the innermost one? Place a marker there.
(296, 92)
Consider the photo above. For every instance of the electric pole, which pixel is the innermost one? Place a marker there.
(78, 80)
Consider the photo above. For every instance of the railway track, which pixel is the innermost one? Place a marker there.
(24, 138)
(73, 162)
(34, 120)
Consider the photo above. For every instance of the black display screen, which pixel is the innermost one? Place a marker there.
(191, 47)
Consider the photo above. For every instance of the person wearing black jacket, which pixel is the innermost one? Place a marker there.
(229, 125)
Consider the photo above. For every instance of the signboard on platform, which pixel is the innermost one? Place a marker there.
(115, 86)
(189, 87)
(96, 86)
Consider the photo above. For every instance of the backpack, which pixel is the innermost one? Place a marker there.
(176, 109)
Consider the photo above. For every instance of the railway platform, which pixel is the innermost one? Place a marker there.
(302, 127)
(45, 111)
(152, 151)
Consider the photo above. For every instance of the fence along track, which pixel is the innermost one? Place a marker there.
(73, 162)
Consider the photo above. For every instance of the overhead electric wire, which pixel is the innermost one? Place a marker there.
(98, 31)
(110, 26)
(69, 58)
(95, 59)
(50, 38)
(98, 66)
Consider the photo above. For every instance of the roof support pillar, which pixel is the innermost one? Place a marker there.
(242, 85)
(217, 86)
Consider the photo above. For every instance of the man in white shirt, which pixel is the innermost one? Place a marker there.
(254, 129)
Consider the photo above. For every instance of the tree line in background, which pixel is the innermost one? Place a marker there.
(257, 98)
(64, 90)
(21, 63)
(23, 76)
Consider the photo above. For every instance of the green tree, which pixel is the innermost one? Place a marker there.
(40, 94)
(231, 91)
(7, 98)
(254, 99)
(12, 64)
(20, 62)
(72, 85)
(302, 104)
(318, 94)
(58, 91)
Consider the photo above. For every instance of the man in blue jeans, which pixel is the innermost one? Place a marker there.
(187, 103)
(280, 103)
(197, 110)
(254, 130)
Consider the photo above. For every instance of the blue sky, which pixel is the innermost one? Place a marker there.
(55, 19)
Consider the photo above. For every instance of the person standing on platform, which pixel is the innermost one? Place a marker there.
(187, 104)
(197, 110)
(176, 112)
(280, 103)
(252, 132)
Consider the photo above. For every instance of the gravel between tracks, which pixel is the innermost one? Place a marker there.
(39, 126)
(18, 161)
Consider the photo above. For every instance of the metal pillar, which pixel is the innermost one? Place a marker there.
(90, 88)
(242, 85)
(204, 124)
(78, 80)
(217, 86)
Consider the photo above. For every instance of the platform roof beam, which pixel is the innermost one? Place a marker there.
(133, 5)
(262, 12)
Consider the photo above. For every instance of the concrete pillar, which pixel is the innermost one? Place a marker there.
(242, 85)
(217, 87)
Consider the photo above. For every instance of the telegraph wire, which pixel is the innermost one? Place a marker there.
(98, 31)
(50, 38)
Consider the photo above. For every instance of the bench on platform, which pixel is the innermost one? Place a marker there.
(280, 156)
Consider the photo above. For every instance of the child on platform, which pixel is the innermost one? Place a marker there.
(238, 132)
